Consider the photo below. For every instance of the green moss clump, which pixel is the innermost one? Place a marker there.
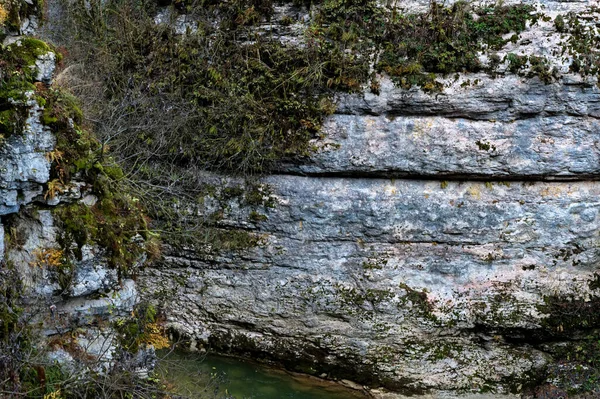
(420, 305)
(256, 217)
(485, 146)
(17, 67)
(259, 195)
(13, 12)
(360, 302)
(25, 51)
(374, 264)
(113, 223)
(17, 72)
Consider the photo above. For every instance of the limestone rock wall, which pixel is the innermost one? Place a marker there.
(504, 128)
(425, 247)
(59, 300)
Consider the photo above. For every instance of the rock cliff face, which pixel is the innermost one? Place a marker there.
(31, 237)
(433, 242)
(437, 244)
(59, 296)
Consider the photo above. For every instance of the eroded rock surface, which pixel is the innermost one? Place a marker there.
(71, 303)
(423, 247)
(511, 128)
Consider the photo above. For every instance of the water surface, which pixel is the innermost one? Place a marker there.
(218, 377)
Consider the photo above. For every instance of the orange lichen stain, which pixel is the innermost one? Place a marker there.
(49, 257)
(391, 190)
(553, 191)
(474, 192)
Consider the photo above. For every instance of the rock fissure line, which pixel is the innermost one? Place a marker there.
(437, 177)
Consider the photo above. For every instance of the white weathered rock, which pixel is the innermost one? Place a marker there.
(182, 24)
(82, 311)
(24, 166)
(374, 267)
(45, 64)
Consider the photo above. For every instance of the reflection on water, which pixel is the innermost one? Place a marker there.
(216, 377)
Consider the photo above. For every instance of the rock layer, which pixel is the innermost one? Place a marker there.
(406, 277)
(509, 128)
(422, 247)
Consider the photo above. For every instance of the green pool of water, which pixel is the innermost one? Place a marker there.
(217, 377)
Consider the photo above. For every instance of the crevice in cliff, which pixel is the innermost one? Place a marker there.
(441, 176)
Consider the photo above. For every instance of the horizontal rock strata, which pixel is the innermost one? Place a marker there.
(425, 246)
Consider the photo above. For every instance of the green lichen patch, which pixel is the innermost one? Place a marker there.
(448, 40)
(501, 309)
(212, 241)
(485, 146)
(362, 299)
(374, 264)
(418, 302)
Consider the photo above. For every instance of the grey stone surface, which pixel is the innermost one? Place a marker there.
(92, 277)
(182, 24)
(45, 64)
(544, 148)
(548, 5)
(507, 127)
(24, 166)
(384, 273)
(34, 236)
(505, 98)
(420, 249)
(117, 303)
